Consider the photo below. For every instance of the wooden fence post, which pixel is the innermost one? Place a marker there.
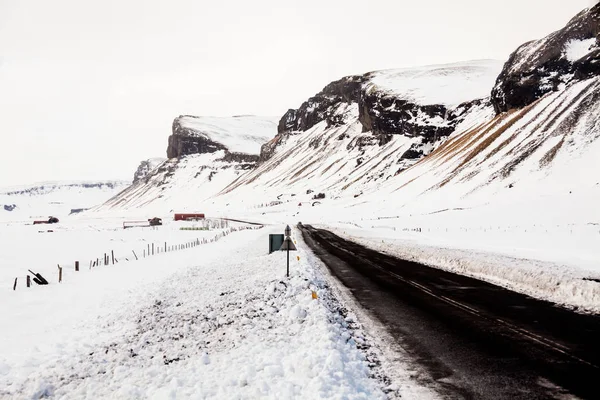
(112, 252)
(76, 266)
(134, 254)
(15, 285)
(165, 247)
(59, 274)
(152, 248)
(28, 281)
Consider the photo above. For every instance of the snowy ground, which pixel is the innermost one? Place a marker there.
(40, 200)
(219, 320)
(515, 245)
(41, 248)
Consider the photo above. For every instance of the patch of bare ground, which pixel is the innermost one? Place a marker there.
(549, 156)
(298, 175)
(517, 132)
(451, 147)
(354, 181)
(329, 166)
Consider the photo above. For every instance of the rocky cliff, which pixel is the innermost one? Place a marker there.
(539, 67)
(146, 167)
(394, 102)
(205, 154)
(240, 137)
(185, 140)
(431, 133)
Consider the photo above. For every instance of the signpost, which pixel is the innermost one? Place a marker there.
(275, 242)
(288, 244)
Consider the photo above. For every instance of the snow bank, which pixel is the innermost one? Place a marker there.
(551, 281)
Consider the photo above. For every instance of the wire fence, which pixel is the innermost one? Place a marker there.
(152, 249)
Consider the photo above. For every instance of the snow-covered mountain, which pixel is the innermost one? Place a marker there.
(420, 139)
(357, 119)
(238, 134)
(204, 155)
(55, 198)
(373, 130)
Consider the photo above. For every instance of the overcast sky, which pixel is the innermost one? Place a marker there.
(90, 88)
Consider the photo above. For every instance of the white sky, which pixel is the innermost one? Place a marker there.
(90, 88)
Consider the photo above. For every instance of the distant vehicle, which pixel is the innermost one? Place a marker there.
(188, 217)
(51, 220)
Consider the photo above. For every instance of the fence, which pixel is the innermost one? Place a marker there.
(152, 249)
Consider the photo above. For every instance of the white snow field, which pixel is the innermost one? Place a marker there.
(218, 320)
(40, 200)
(42, 247)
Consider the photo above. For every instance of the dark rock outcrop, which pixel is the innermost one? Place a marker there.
(542, 66)
(145, 168)
(267, 149)
(323, 106)
(387, 114)
(9, 207)
(244, 161)
(185, 141)
(382, 114)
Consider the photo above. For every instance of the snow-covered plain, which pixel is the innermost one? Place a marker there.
(219, 320)
(42, 247)
(40, 200)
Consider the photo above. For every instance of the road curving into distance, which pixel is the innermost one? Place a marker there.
(477, 340)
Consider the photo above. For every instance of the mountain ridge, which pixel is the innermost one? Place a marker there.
(407, 133)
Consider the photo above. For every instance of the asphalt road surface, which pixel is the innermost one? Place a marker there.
(477, 340)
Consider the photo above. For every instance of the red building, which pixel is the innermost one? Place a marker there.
(188, 217)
